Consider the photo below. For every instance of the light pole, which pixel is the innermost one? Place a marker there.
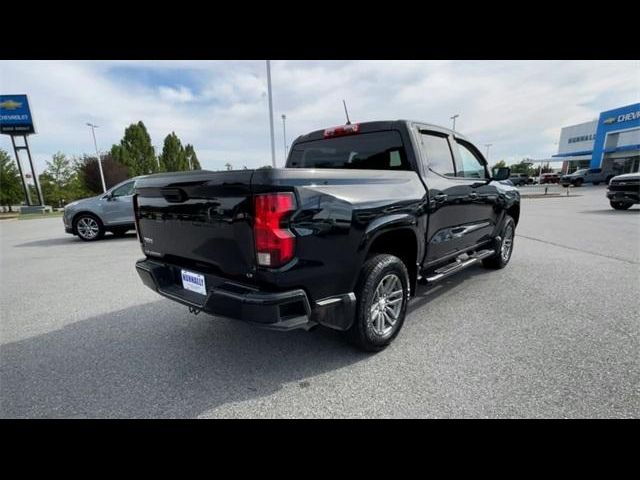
(454, 120)
(284, 135)
(273, 145)
(488, 145)
(95, 144)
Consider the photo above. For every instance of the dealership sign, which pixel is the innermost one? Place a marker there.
(15, 115)
(622, 118)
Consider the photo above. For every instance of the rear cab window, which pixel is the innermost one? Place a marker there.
(382, 150)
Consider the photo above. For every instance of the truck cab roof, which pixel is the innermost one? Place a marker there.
(378, 125)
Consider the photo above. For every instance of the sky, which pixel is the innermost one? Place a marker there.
(221, 107)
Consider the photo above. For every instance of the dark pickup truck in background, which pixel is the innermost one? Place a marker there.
(624, 191)
(339, 237)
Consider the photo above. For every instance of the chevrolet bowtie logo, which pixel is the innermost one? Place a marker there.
(10, 105)
(609, 120)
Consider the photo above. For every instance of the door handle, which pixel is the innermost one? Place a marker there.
(473, 195)
(441, 197)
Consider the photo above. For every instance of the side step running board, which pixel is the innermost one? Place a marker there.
(459, 265)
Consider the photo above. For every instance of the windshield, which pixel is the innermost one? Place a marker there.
(581, 172)
(368, 151)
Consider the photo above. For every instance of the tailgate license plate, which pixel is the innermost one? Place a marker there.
(194, 282)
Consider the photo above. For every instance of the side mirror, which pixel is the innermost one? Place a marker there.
(501, 173)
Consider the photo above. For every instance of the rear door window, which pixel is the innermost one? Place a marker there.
(367, 151)
(438, 153)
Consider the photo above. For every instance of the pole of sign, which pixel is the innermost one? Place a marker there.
(454, 120)
(33, 172)
(488, 145)
(27, 197)
(284, 135)
(273, 144)
(95, 144)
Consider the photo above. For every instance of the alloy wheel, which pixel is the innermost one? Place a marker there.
(386, 305)
(88, 228)
(507, 243)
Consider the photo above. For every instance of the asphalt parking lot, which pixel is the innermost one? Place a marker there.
(555, 334)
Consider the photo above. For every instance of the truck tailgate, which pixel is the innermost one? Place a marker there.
(200, 219)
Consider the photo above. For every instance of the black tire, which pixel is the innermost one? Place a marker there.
(579, 182)
(81, 225)
(500, 260)
(620, 205)
(609, 179)
(596, 183)
(565, 185)
(378, 272)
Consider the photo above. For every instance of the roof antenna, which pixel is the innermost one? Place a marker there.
(346, 112)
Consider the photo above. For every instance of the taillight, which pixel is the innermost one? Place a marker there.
(342, 130)
(136, 217)
(274, 244)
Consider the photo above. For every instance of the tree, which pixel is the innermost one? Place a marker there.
(57, 181)
(229, 166)
(524, 168)
(10, 185)
(191, 157)
(136, 151)
(173, 157)
(89, 173)
(500, 164)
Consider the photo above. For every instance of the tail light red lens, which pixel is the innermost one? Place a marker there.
(274, 244)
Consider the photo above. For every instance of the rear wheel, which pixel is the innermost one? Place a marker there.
(503, 255)
(620, 205)
(383, 294)
(88, 227)
(579, 182)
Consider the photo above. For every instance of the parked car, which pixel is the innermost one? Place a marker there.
(339, 237)
(624, 191)
(550, 178)
(112, 211)
(520, 179)
(587, 175)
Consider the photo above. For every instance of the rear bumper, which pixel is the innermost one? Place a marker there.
(274, 310)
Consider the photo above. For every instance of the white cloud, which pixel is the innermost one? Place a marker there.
(177, 94)
(220, 106)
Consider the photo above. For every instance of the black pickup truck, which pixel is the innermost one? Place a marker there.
(339, 237)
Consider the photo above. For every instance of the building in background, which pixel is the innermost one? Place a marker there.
(611, 142)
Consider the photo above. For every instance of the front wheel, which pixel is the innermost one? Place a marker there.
(383, 294)
(89, 228)
(596, 183)
(620, 205)
(579, 182)
(503, 255)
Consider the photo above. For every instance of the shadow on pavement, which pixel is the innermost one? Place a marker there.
(156, 360)
(611, 211)
(426, 293)
(54, 242)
